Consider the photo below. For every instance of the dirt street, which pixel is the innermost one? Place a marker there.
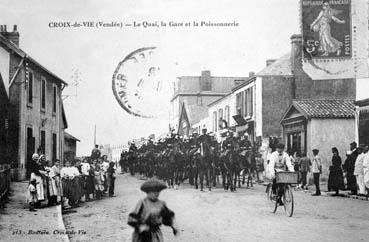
(224, 216)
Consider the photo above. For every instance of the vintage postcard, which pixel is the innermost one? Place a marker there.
(191, 120)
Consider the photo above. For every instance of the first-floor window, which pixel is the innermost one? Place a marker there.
(53, 156)
(42, 141)
(215, 121)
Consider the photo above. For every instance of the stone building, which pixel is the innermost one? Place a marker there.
(196, 92)
(36, 115)
(319, 124)
(4, 124)
(284, 81)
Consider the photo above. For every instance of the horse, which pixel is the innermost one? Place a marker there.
(231, 168)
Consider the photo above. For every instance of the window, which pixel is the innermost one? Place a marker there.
(199, 100)
(54, 99)
(246, 100)
(43, 93)
(215, 121)
(239, 103)
(30, 88)
(42, 141)
(251, 109)
(226, 114)
(220, 113)
(54, 147)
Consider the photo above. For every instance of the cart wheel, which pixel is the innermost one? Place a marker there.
(288, 202)
(271, 199)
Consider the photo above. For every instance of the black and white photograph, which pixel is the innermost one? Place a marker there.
(188, 121)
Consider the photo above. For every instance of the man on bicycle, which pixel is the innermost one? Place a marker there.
(278, 161)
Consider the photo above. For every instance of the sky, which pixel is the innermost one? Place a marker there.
(263, 32)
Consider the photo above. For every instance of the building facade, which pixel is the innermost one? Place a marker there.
(284, 81)
(362, 121)
(319, 124)
(196, 92)
(36, 115)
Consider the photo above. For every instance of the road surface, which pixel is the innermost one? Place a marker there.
(225, 216)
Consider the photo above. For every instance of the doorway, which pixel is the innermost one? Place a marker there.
(30, 149)
(294, 142)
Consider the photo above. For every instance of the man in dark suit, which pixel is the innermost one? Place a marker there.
(349, 168)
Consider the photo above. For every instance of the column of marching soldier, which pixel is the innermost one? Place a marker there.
(200, 159)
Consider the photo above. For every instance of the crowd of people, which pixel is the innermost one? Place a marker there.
(352, 174)
(202, 159)
(77, 181)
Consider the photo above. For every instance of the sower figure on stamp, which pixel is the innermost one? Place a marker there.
(150, 213)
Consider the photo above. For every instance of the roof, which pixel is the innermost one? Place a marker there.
(194, 113)
(245, 83)
(69, 136)
(64, 117)
(363, 102)
(324, 109)
(10, 45)
(220, 99)
(281, 67)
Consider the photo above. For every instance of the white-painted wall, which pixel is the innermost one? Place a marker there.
(4, 67)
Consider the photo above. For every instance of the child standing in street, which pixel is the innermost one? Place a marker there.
(32, 194)
(317, 170)
(150, 213)
(111, 178)
(99, 182)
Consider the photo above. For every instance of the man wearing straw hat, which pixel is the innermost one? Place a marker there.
(150, 213)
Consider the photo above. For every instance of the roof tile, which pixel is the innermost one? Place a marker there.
(326, 108)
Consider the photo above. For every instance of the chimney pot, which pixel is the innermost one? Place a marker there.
(5, 28)
(15, 28)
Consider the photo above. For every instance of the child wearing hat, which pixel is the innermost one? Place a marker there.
(150, 213)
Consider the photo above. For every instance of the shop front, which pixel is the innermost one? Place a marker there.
(362, 120)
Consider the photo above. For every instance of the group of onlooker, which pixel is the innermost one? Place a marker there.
(71, 184)
(44, 183)
(355, 170)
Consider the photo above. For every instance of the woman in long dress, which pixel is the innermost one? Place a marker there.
(322, 25)
(150, 213)
(335, 179)
(37, 176)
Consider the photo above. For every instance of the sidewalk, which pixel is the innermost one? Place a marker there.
(17, 223)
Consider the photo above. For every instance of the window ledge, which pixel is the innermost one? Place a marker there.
(29, 105)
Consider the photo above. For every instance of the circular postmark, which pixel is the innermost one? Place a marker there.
(136, 84)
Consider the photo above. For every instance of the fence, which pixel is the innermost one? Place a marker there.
(4, 184)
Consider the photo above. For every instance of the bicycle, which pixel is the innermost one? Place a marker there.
(283, 195)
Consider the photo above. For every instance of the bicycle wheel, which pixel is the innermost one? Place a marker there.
(271, 199)
(288, 202)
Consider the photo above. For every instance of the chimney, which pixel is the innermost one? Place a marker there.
(270, 61)
(11, 36)
(296, 51)
(251, 74)
(205, 81)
